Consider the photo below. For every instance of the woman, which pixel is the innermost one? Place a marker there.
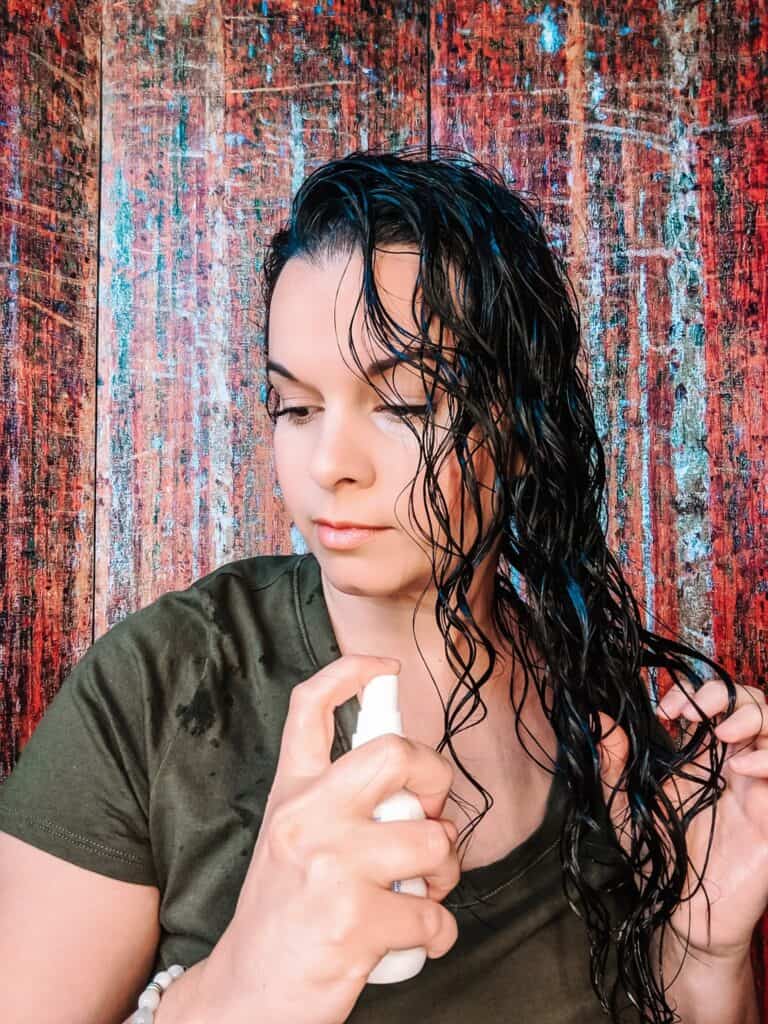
(467, 447)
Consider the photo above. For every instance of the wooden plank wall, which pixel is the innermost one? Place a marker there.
(49, 216)
(149, 149)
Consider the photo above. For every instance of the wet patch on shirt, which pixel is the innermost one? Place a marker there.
(222, 621)
(249, 818)
(198, 716)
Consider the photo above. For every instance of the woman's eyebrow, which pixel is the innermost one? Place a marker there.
(376, 368)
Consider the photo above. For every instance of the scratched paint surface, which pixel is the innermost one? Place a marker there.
(641, 128)
(212, 117)
(49, 116)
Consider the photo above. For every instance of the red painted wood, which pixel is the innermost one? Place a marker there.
(49, 109)
(733, 170)
(212, 116)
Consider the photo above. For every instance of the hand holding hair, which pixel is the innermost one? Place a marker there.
(736, 877)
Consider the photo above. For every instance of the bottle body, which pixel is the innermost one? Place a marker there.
(400, 964)
(379, 714)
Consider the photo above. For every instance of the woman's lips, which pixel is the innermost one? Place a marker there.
(349, 537)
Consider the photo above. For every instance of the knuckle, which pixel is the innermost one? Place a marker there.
(299, 694)
(396, 750)
(343, 921)
(450, 770)
(286, 831)
(324, 866)
(437, 840)
(434, 918)
(451, 926)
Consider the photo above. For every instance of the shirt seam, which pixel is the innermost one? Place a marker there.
(296, 590)
(509, 881)
(79, 840)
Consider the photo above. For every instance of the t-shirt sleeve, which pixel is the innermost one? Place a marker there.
(80, 787)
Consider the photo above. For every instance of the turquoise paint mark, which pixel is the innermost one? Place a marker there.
(625, 30)
(124, 234)
(237, 139)
(649, 576)
(298, 543)
(180, 136)
(121, 444)
(596, 95)
(298, 153)
(551, 39)
(689, 456)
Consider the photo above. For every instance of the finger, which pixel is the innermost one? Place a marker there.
(393, 850)
(711, 699)
(753, 762)
(414, 920)
(675, 696)
(747, 723)
(365, 776)
(305, 746)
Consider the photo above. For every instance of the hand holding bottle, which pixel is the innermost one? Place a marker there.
(316, 912)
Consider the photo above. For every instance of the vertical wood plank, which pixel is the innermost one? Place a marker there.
(213, 115)
(49, 125)
(732, 100)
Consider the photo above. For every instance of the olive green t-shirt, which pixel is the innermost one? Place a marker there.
(154, 760)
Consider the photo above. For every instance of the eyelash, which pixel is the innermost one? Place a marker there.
(395, 410)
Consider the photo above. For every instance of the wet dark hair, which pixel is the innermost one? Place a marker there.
(514, 323)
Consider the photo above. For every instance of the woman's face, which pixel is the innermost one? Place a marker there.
(346, 458)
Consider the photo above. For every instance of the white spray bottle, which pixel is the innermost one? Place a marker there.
(380, 714)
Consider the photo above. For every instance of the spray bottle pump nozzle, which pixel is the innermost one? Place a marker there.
(379, 709)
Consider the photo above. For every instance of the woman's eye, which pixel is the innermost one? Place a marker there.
(295, 416)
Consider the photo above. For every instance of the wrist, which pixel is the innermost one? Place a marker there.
(179, 1003)
(706, 987)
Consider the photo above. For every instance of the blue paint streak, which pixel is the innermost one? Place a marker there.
(122, 451)
(237, 139)
(298, 543)
(552, 39)
(649, 576)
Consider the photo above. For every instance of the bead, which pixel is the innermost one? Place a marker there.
(150, 998)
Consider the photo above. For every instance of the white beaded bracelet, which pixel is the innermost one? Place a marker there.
(149, 1000)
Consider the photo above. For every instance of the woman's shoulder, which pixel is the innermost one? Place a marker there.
(241, 595)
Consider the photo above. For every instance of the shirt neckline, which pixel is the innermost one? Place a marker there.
(476, 883)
